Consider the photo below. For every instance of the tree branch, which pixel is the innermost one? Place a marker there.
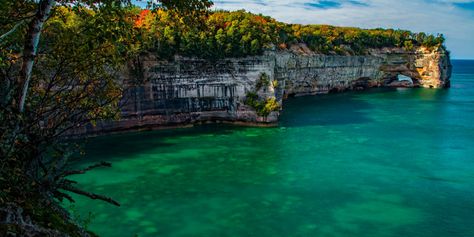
(90, 195)
(12, 30)
(74, 172)
(61, 195)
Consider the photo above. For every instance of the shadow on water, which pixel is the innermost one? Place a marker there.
(118, 146)
(334, 109)
(324, 110)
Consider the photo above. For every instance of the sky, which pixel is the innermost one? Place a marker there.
(453, 18)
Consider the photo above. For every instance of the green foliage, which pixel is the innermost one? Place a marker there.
(408, 45)
(263, 81)
(262, 107)
(75, 57)
(251, 99)
(239, 33)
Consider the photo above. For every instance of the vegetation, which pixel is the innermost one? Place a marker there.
(236, 34)
(263, 81)
(58, 60)
(263, 107)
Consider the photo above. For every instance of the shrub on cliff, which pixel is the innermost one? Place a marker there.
(263, 107)
(263, 81)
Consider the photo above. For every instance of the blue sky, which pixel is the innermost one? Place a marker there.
(453, 18)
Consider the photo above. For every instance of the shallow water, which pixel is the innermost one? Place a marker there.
(379, 163)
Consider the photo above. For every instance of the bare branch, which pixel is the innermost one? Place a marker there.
(61, 195)
(74, 172)
(90, 195)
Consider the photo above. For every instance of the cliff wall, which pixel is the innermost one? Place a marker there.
(187, 90)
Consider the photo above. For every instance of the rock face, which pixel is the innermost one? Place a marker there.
(189, 90)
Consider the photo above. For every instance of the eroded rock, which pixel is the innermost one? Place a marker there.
(188, 90)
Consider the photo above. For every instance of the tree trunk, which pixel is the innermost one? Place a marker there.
(30, 48)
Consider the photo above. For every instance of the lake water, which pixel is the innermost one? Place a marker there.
(378, 163)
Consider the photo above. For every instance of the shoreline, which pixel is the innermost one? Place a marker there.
(238, 123)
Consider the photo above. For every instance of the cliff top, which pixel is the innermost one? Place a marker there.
(239, 33)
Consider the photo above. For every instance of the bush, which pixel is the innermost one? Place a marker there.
(262, 107)
(263, 81)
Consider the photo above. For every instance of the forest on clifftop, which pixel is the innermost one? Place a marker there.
(220, 34)
(58, 71)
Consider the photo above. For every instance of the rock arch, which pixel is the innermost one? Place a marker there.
(401, 79)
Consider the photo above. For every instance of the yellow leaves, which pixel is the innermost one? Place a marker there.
(271, 105)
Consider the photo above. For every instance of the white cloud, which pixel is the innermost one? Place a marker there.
(438, 16)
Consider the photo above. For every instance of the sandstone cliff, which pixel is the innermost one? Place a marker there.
(188, 90)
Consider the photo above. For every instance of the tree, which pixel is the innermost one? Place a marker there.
(60, 76)
(58, 60)
(255, 47)
(408, 45)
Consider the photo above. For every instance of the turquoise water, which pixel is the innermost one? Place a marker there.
(379, 163)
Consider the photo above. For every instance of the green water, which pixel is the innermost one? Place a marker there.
(379, 163)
